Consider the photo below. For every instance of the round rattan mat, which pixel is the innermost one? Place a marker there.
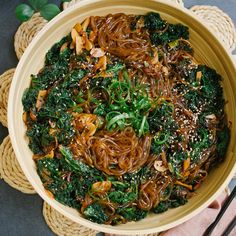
(5, 82)
(26, 33)
(62, 226)
(73, 2)
(10, 169)
(219, 22)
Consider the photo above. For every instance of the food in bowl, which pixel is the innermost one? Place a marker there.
(123, 120)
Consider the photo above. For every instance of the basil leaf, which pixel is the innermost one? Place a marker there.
(24, 12)
(65, 0)
(37, 4)
(49, 11)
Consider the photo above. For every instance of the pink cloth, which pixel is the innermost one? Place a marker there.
(198, 224)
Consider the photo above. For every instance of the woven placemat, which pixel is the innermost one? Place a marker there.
(219, 22)
(5, 82)
(63, 226)
(10, 169)
(26, 32)
(73, 2)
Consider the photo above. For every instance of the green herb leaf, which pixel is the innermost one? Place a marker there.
(24, 12)
(37, 4)
(65, 0)
(49, 11)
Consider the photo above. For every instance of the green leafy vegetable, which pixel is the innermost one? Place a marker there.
(223, 141)
(49, 11)
(153, 21)
(173, 33)
(161, 207)
(37, 5)
(156, 25)
(132, 213)
(95, 213)
(39, 137)
(24, 12)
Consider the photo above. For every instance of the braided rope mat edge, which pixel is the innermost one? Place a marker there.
(63, 226)
(219, 22)
(5, 82)
(10, 169)
(26, 33)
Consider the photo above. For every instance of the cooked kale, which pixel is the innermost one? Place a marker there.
(177, 198)
(174, 32)
(69, 180)
(95, 213)
(161, 207)
(122, 197)
(205, 92)
(72, 79)
(194, 100)
(39, 137)
(223, 138)
(175, 160)
(161, 118)
(153, 21)
(53, 55)
(29, 98)
(200, 142)
(132, 213)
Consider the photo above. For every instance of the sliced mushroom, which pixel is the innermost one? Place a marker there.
(40, 99)
(158, 165)
(155, 58)
(101, 187)
(102, 63)
(199, 75)
(50, 154)
(88, 44)
(78, 45)
(24, 117)
(78, 27)
(85, 23)
(97, 52)
(32, 115)
(165, 70)
(74, 34)
(92, 36)
(64, 46)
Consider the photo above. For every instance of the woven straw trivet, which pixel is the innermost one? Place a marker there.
(26, 32)
(62, 226)
(5, 82)
(10, 169)
(73, 2)
(219, 22)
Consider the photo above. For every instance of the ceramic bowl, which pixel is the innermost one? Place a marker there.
(208, 49)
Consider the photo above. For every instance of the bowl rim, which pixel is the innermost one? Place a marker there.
(43, 194)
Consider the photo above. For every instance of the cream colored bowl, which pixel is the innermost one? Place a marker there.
(208, 49)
